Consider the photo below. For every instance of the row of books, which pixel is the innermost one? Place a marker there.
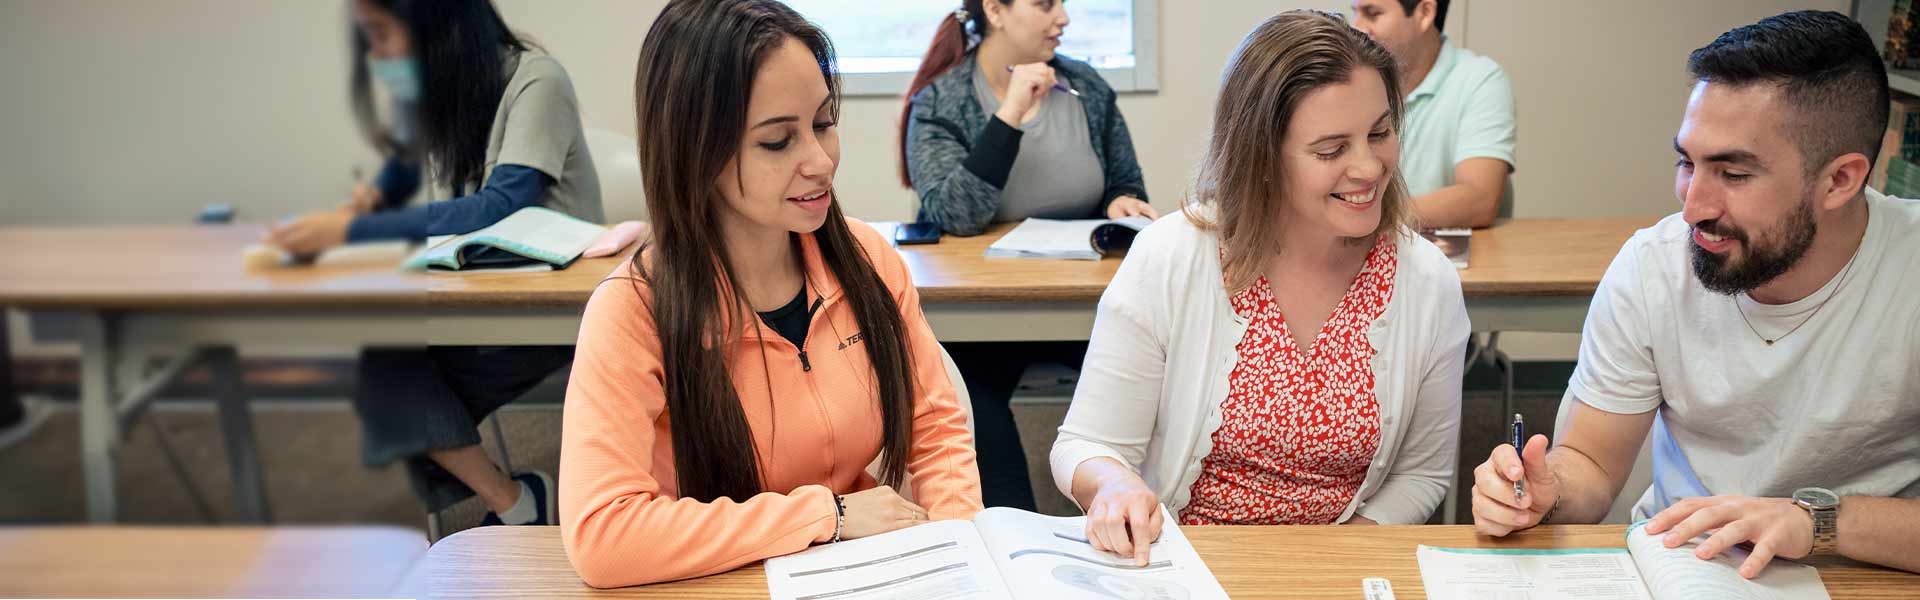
(1898, 169)
(1903, 37)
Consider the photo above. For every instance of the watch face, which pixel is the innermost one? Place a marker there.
(1816, 497)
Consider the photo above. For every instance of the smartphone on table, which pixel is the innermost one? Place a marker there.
(917, 233)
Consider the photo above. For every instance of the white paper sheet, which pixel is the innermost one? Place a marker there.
(1517, 574)
(1676, 573)
(944, 560)
(1048, 558)
(1645, 570)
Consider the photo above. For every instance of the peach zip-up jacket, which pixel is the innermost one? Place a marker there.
(621, 517)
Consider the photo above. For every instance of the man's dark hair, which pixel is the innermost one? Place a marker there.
(1439, 12)
(1828, 72)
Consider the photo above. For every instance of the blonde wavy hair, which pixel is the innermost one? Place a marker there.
(1280, 63)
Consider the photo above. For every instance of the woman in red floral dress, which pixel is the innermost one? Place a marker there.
(1286, 350)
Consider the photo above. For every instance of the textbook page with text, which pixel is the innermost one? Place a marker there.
(1644, 570)
(1001, 553)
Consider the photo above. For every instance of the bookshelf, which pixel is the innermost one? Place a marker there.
(1873, 15)
(1905, 81)
(1895, 172)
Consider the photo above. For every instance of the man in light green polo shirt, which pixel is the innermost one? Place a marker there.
(1457, 136)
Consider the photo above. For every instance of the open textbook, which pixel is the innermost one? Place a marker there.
(532, 238)
(1002, 553)
(1084, 239)
(1644, 570)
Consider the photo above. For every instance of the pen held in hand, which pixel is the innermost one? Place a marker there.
(1519, 431)
(1057, 84)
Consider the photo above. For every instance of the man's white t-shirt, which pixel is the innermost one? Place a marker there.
(1836, 404)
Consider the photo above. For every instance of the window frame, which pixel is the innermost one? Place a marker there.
(1144, 76)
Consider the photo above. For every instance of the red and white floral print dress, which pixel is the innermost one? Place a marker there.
(1297, 431)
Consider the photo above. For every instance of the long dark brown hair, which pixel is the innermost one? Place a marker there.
(1276, 67)
(462, 47)
(951, 44)
(691, 94)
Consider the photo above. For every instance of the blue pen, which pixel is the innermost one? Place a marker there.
(1057, 84)
(1519, 431)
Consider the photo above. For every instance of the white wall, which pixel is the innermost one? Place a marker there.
(599, 43)
(123, 111)
(135, 111)
(1600, 88)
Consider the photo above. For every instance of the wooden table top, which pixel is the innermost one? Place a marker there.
(1250, 562)
(1523, 257)
(197, 267)
(206, 562)
(958, 270)
(566, 288)
(1545, 257)
(181, 267)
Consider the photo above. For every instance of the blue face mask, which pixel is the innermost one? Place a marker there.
(399, 76)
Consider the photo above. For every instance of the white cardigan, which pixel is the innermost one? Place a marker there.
(1163, 347)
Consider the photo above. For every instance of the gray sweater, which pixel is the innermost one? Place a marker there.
(959, 157)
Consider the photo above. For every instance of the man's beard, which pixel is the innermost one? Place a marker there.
(1760, 264)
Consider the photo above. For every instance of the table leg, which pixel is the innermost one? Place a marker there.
(99, 423)
(1507, 405)
(11, 411)
(236, 424)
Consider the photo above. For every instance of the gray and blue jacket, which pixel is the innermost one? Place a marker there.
(958, 156)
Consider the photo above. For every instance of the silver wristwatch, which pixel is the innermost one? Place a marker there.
(1824, 506)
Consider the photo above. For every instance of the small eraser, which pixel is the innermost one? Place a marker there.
(1376, 588)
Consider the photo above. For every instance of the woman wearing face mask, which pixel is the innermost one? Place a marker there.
(399, 177)
(1286, 350)
(497, 126)
(986, 137)
(737, 376)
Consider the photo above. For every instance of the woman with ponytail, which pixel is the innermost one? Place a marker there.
(988, 136)
(734, 380)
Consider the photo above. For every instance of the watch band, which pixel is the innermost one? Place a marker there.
(1826, 529)
(1823, 507)
(839, 517)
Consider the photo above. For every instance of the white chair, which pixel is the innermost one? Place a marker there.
(616, 157)
(966, 408)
